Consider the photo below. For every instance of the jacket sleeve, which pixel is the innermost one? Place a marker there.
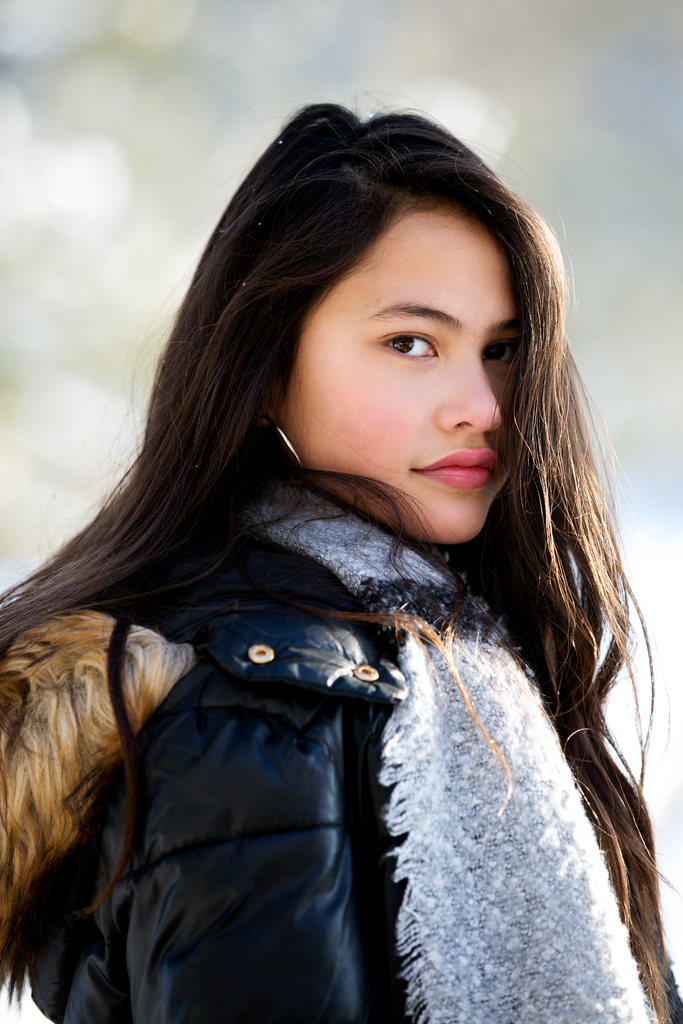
(240, 905)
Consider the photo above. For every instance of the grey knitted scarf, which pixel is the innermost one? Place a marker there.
(508, 915)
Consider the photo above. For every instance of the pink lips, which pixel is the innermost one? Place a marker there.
(467, 469)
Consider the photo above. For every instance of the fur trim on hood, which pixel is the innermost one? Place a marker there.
(61, 750)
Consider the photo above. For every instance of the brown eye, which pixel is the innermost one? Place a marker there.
(502, 351)
(412, 345)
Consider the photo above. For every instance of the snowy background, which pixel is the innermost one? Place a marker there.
(124, 125)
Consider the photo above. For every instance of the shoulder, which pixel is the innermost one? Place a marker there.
(248, 738)
(243, 799)
(251, 741)
(202, 653)
(222, 734)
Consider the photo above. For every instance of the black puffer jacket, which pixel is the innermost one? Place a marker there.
(260, 891)
(260, 888)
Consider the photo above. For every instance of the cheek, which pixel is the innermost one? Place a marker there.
(358, 412)
(373, 418)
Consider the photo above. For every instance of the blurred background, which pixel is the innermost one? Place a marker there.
(124, 126)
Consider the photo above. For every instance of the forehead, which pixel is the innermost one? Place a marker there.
(437, 257)
(432, 234)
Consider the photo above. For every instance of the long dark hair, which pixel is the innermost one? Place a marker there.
(314, 202)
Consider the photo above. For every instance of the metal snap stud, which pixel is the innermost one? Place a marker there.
(260, 654)
(366, 673)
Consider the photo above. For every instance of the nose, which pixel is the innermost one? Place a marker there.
(469, 401)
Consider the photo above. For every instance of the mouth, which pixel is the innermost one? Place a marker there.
(467, 469)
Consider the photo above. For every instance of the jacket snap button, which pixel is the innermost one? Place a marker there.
(260, 654)
(366, 673)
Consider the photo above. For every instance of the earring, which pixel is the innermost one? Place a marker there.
(284, 438)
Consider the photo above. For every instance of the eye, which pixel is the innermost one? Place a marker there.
(502, 351)
(412, 345)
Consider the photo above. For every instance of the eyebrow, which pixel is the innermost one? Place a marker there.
(410, 309)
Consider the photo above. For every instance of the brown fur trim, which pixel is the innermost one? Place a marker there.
(59, 751)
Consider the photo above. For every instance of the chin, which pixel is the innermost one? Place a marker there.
(455, 536)
(440, 532)
(453, 526)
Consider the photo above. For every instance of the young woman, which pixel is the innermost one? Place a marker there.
(308, 724)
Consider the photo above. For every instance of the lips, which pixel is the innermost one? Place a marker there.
(466, 469)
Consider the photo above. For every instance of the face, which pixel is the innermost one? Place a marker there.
(399, 370)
